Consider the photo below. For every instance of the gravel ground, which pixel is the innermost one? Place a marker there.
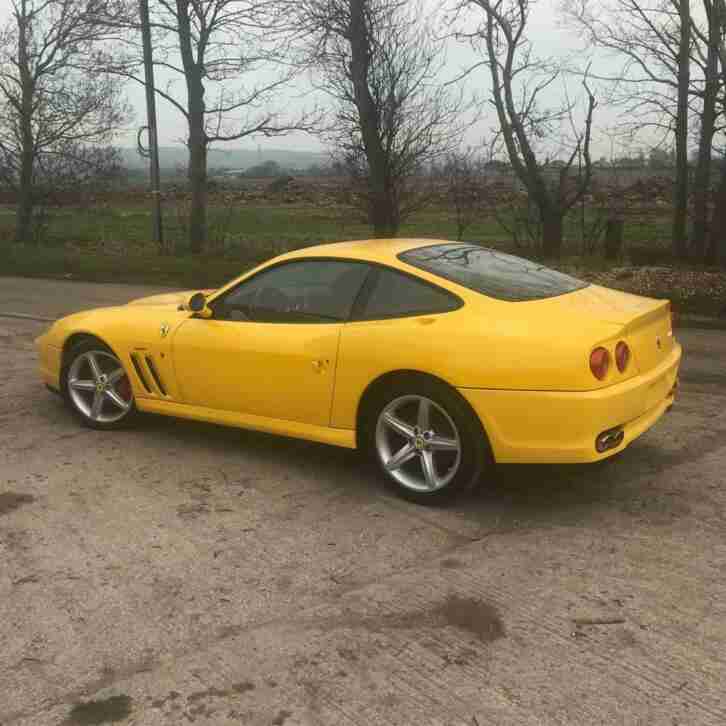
(185, 573)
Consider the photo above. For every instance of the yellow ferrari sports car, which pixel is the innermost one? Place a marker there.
(435, 358)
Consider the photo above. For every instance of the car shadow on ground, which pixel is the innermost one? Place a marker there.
(529, 496)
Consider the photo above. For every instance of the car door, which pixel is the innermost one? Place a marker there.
(271, 346)
(396, 325)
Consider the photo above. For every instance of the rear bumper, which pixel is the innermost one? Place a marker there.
(537, 427)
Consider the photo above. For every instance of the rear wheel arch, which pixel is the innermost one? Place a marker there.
(399, 378)
(388, 432)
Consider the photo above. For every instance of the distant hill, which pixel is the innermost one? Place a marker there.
(172, 156)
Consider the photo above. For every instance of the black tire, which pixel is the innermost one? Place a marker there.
(81, 404)
(474, 450)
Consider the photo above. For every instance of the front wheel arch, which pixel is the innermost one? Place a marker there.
(72, 348)
(76, 338)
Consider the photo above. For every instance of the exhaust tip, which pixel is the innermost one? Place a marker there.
(610, 439)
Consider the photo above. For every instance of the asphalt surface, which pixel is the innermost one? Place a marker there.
(184, 573)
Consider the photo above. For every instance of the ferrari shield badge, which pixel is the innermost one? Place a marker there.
(164, 330)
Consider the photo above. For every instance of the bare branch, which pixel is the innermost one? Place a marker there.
(380, 65)
(497, 29)
(58, 106)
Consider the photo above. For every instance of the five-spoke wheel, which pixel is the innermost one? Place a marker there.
(426, 440)
(418, 443)
(97, 386)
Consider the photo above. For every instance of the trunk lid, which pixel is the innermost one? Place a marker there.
(646, 322)
(650, 336)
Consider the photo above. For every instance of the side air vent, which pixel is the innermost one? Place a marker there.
(155, 375)
(139, 372)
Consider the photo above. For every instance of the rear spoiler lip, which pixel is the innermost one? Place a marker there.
(656, 311)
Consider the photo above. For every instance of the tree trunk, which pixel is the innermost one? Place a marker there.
(197, 142)
(716, 252)
(613, 238)
(680, 192)
(198, 186)
(383, 210)
(24, 212)
(25, 207)
(551, 233)
(702, 180)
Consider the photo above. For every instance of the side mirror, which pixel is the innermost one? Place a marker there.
(198, 305)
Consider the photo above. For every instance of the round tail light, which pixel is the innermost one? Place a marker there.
(599, 363)
(622, 355)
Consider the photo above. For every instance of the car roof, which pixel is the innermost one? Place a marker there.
(382, 251)
(370, 250)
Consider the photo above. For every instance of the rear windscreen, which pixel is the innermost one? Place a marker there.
(492, 273)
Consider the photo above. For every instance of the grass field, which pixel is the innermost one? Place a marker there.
(111, 242)
(246, 229)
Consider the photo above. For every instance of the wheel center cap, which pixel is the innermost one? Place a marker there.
(419, 443)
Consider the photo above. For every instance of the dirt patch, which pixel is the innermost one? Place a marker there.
(192, 510)
(10, 501)
(690, 290)
(281, 717)
(107, 710)
(477, 617)
(237, 689)
(451, 563)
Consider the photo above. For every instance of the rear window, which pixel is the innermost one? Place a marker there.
(492, 273)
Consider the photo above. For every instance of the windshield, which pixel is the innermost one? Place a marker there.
(492, 273)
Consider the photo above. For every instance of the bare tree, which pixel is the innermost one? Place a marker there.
(706, 50)
(666, 76)
(228, 59)
(54, 96)
(683, 78)
(381, 64)
(716, 249)
(465, 188)
(497, 30)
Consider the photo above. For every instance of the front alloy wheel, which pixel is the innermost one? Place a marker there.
(97, 387)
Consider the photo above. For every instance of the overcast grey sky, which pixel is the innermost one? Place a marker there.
(548, 36)
(546, 32)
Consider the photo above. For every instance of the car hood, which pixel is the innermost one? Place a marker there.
(168, 299)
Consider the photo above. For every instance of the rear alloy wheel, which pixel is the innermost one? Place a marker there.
(428, 444)
(97, 387)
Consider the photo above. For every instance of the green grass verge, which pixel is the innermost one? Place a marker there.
(279, 226)
(186, 271)
(76, 244)
(192, 272)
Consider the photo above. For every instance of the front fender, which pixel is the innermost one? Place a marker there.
(144, 331)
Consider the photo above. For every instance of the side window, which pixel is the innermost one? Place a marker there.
(393, 295)
(307, 291)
